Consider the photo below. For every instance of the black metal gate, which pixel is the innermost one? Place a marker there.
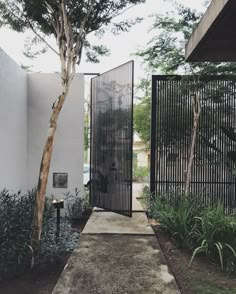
(112, 139)
(214, 167)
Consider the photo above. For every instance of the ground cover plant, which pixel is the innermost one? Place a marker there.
(16, 214)
(202, 277)
(204, 231)
(140, 173)
(77, 204)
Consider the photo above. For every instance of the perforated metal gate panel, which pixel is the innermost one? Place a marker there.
(112, 139)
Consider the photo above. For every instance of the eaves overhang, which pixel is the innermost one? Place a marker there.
(214, 39)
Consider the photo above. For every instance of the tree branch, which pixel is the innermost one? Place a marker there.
(55, 25)
(30, 26)
(120, 13)
(42, 39)
(80, 39)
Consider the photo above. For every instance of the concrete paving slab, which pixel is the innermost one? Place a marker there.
(103, 222)
(137, 193)
(116, 264)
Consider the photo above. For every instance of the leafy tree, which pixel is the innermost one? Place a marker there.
(142, 112)
(166, 53)
(69, 22)
(142, 120)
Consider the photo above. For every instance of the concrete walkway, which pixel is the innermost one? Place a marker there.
(117, 255)
(137, 192)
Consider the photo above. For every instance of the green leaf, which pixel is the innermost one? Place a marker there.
(220, 252)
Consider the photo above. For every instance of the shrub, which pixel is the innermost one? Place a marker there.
(145, 198)
(16, 214)
(176, 215)
(204, 230)
(77, 204)
(140, 173)
(215, 237)
(51, 247)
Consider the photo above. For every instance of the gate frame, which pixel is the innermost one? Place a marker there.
(131, 136)
(155, 78)
(153, 137)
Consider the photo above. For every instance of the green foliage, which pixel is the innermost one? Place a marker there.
(215, 233)
(54, 248)
(140, 173)
(146, 198)
(18, 13)
(16, 214)
(77, 203)
(203, 230)
(85, 17)
(176, 215)
(166, 50)
(142, 120)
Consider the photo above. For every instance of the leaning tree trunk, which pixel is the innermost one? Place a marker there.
(70, 52)
(43, 177)
(196, 113)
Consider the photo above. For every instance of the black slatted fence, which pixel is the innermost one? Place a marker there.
(214, 167)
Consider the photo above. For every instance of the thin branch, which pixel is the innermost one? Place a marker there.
(65, 18)
(42, 39)
(55, 25)
(81, 30)
(29, 25)
(113, 16)
(86, 18)
(120, 13)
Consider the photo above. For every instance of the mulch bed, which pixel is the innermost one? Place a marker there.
(203, 276)
(42, 279)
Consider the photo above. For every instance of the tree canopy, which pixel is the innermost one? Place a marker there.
(166, 50)
(45, 18)
(165, 53)
(142, 120)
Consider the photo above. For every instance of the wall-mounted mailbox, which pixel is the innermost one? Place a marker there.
(60, 180)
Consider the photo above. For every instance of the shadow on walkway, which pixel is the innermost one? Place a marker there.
(117, 255)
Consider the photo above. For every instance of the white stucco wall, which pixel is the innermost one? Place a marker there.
(13, 128)
(43, 90)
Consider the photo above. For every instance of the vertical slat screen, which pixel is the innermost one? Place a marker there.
(214, 168)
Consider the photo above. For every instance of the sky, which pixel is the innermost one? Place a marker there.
(122, 47)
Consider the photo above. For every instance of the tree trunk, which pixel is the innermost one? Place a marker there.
(191, 153)
(43, 178)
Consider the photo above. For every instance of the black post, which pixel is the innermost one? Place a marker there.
(131, 142)
(153, 138)
(58, 204)
(91, 144)
(58, 224)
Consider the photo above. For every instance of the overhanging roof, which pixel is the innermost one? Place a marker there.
(215, 37)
